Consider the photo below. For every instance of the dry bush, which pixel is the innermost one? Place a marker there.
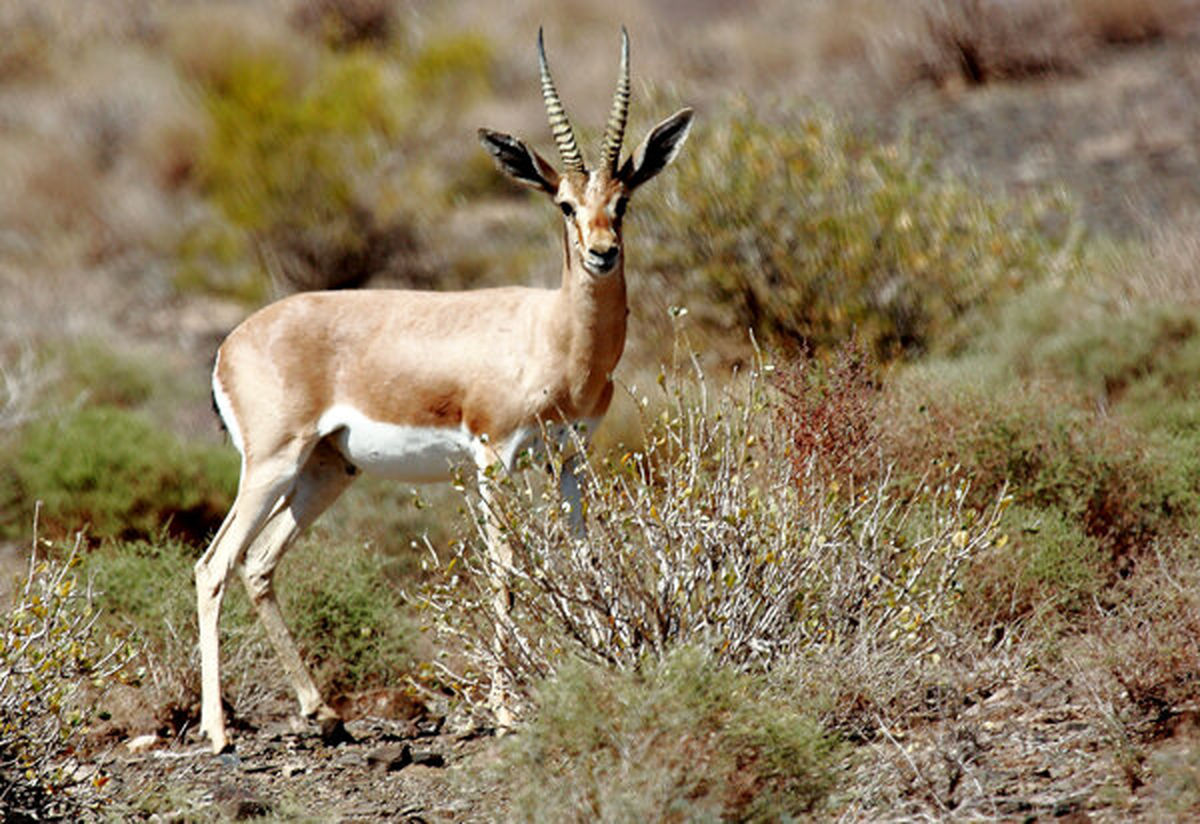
(830, 412)
(171, 142)
(704, 537)
(26, 42)
(50, 646)
(1149, 646)
(981, 41)
(346, 23)
(58, 199)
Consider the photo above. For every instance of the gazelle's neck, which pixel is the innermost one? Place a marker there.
(595, 309)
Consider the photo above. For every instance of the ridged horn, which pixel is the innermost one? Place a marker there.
(614, 132)
(568, 149)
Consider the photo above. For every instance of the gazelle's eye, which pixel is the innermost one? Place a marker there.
(619, 209)
(567, 209)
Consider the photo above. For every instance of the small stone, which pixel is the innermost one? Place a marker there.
(428, 758)
(238, 804)
(142, 743)
(293, 768)
(391, 758)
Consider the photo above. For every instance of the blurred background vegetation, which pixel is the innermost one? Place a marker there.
(963, 230)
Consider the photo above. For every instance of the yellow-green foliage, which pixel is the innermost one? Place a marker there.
(451, 67)
(287, 161)
(283, 152)
(808, 232)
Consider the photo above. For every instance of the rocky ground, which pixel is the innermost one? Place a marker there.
(373, 769)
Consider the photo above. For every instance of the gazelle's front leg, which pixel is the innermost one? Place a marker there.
(570, 487)
(500, 555)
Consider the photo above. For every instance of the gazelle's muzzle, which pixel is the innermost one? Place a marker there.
(601, 262)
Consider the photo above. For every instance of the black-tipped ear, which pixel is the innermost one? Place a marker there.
(658, 149)
(519, 162)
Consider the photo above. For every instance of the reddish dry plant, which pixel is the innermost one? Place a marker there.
(830, 411)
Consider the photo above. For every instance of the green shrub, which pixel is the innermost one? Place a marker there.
(289, 162)
(685, 739)
(348, 615)
(151, 588)
(806, 232)
(1093, 495)
(117, 473)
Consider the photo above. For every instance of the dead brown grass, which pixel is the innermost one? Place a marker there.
(1135, 21)
(983, 41)
(980, 41)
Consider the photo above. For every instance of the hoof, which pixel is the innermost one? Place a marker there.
(333, 732)
(504, 721)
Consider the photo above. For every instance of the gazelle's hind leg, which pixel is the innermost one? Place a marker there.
(325, 475)
(260, 491)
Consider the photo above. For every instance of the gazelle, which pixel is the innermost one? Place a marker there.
(411, 385)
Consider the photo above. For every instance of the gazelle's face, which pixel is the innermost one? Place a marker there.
(592, 202)
(592, 208)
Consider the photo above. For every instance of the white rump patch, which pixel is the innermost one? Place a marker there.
(225, 408)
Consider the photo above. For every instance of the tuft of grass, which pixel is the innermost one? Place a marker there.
(684, 739)
(91, 367)
(807, 233)
(113, 470)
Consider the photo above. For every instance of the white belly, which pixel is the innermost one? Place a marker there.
(416, 454)
(426, 454)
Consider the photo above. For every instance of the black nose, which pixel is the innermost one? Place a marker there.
(605, 258)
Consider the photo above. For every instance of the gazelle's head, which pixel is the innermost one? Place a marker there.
(592, 201)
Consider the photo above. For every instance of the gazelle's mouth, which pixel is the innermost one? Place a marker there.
(601, 264)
